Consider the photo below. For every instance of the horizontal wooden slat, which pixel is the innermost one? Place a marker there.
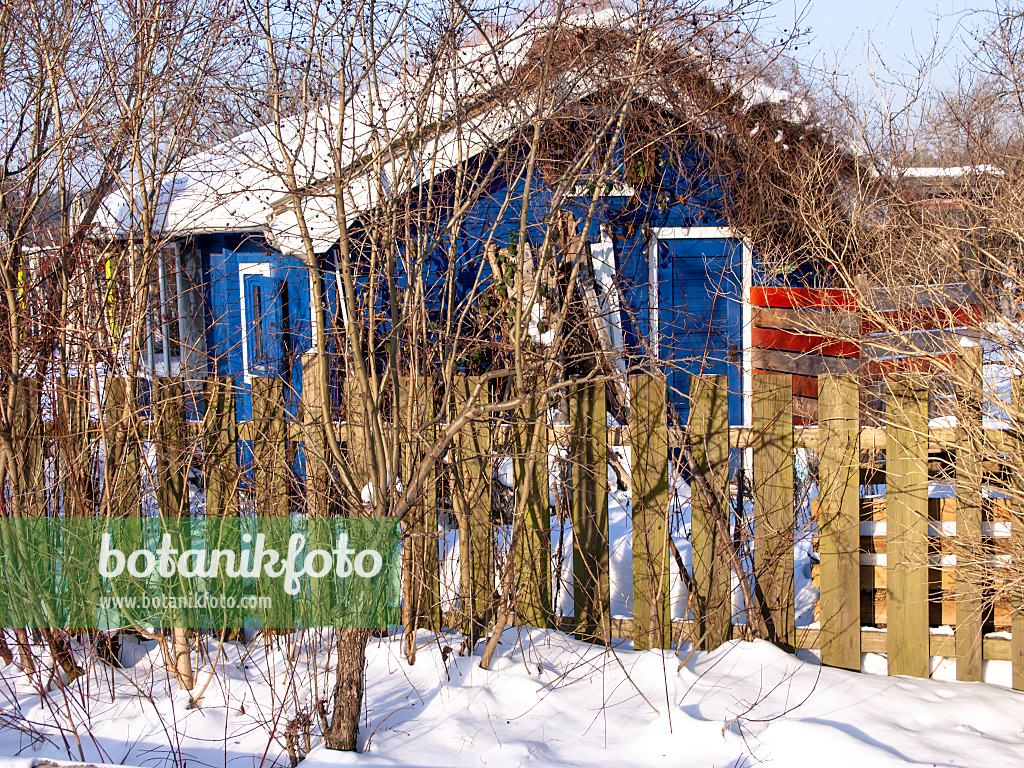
(820, 298)
(911, 343)
(805, 365)
(922, 318)
(807, 343)
(839, 323)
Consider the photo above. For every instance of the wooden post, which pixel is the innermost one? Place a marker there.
(171, 448)
(268, 490)
(269, 447)
(1017, 532)
(221, 433)
(122, 452)
(839, 520)
(533, 544)
(648, 427)
(591, 586)
(773, 504)
(73, 448)
(709, 496)
(906, 469)
(472, 505)
(969, 599)
(420, 565)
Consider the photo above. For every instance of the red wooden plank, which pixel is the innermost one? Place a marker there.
(923, 319)
(819, 298)
(803, 386)
(876, 369)
(773, 338)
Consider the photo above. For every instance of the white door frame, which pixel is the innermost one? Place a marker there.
(705, 233)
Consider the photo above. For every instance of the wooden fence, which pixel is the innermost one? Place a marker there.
(884, 564)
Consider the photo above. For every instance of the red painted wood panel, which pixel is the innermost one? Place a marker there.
(773, 338)
(797, 298)
(922, 319)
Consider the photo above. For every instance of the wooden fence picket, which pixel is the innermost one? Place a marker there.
(123, 492)
(591, 587)
(906, 465)
(709, 498)
(472, 506)
(839, 520)
(969, 451)
(1017, 534)
(533, 545)
(420, 568)
(774, 517)
(651, 557)
(221, 460)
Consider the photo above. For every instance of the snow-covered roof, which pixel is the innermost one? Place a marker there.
(239, 185)
(951, 172)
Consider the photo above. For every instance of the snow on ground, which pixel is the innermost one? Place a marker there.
(548, 701)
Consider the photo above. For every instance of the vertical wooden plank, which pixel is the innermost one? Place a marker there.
(221, 437)
(648, 428)
(472, 505)
(72, 439)
(906, 468)
(171, 447)
(533, 544)
(269, 447)
(709, 499)
(969, 597)
(121, 470)
(1017, 531)
(419, 551)
(269, 484)
(773, 504)
(839, 520)
(591, 585)
(221, 473)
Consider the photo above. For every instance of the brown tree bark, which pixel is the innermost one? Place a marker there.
(343, 733)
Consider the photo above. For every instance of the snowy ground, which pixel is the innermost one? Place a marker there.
(548, 700)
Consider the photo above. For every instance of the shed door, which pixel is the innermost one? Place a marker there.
(699, 316)
(264, 325)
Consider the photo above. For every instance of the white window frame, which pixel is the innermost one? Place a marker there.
(263, 269)
(747, 276)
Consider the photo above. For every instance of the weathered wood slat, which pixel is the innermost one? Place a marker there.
(533, 544)
(709, 494)
(472, 502)
(835, 324)
(838, 517)
(969, 477)
(1017, 531)
(907, 530)
(648, 422)
(590, 535)
(803, 364)
(773, 504)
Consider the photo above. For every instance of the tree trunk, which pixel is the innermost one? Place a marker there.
(348, 689)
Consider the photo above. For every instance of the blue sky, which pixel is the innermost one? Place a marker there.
(854, 35)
